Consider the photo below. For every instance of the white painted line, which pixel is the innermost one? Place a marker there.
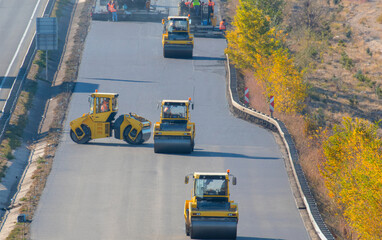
(19, 46)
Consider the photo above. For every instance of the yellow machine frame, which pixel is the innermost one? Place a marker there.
(177, 47)
(189, 131)
(191, 206)
(99, 122)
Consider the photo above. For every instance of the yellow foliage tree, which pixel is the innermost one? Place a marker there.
(353, 174)
(282, 80)
(254, 44)
(252, 35)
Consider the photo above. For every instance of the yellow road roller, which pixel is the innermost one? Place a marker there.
(174, 133)
(99, 122)
(176, 39)
(210, 214)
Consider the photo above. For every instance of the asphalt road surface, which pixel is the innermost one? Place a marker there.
(17, 27)
(108, 189)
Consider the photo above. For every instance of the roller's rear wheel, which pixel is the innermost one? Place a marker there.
(129, 139)
(83, 140)
(156, 149)
(187, 229)
(189, 55)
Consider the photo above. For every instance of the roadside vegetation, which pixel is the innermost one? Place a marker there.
(309, 55)
(28, 205)
(19, 119)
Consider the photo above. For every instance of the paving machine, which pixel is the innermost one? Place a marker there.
(174, 133)
(129, 10)
(210, 213)
(176, 39)
(203, 24)
(99, 122)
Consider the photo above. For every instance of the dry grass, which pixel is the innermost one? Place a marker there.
(379, 19)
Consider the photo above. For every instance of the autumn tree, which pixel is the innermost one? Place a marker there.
(252, 35)
(283, 80)
(271, 8)
(353, 174)
(255, 44)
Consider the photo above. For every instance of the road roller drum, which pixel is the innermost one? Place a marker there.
(210, 214)
(174, 133)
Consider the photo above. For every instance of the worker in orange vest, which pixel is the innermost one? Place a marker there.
(105, 105)
(108, 10)
(222, 25)
(211, 5)
(113, 10)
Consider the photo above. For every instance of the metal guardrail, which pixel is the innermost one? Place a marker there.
(275, 124)
(13, 96)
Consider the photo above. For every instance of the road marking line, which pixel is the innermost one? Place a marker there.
(19, 46)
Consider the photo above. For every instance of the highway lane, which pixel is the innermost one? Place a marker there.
(17, 27)
(110, 190)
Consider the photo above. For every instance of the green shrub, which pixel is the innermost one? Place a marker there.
(368, 51)
(378, 91)
(361, 77)
(346, 61)
(348, 33)
(353, 101)
(341, 43)
(315, 121)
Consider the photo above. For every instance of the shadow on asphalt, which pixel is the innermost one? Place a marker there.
(196, 153)
(122, 144)
(227, 155)
(121, 80)
(255, 238)
(207, 58)
(82, 87)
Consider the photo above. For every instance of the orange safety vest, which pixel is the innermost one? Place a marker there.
(211, 4)
(111, 7)
(222, 25)
(105, 107)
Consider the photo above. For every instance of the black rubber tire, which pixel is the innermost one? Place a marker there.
(187, 229)
(189, 150)
(155, 148)
(127, 138)
(83, 140)
(164, 53)
(191, 233)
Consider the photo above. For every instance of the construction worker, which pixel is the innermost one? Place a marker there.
(112, 8)
(148, 3)
(211, 5)
(105, 105)
(171, 26)
(222, 25)
(108, 10)
(166, 112)
(196, 4)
